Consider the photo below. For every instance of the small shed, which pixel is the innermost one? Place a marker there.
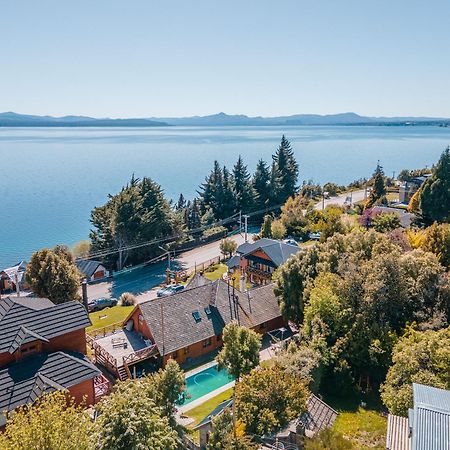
(92, 270)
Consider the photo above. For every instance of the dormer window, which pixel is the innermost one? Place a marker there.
(196, 316)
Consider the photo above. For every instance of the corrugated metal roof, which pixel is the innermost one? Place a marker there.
(431, 418)
(398, 433)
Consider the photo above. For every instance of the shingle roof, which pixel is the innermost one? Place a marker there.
(22, 382)
(23, 319)
(277, 251)
(317, 416)
(174, 313)
(88, 267)
(234, 261)
(197, 280)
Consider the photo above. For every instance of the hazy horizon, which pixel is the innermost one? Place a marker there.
(258, 58)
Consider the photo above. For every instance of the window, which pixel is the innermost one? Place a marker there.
(186, 350)
(175, 355)
(196, 316)
(208, 311)
(207, 342)
(29, 350)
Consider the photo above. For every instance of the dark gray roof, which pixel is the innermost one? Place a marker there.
(174, 313)
(317, 416)
(26, 319)
(277, 251)
(88, 267)
(215, 412)
(234, 261)
(23, 382)
(197, 280)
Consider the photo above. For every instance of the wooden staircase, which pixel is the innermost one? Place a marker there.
(122, 373)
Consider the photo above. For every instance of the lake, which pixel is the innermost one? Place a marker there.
(51, 178)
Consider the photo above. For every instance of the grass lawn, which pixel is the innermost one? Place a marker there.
(217, 271)
(108, 316)
(366, 429)
(201, 411)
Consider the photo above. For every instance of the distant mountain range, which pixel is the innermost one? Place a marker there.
(11, 119)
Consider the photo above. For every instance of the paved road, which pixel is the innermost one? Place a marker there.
(143, 281)
(343, 199)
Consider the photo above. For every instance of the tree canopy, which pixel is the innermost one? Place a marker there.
(52, 274)
(138, 213)
(435, 192)
(51, 424)
(418, 357)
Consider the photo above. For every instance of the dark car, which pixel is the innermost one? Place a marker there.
(101, 303)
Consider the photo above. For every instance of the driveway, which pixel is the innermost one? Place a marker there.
(144, 281)
(343, 199)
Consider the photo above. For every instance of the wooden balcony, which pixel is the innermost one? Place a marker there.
(259, 273)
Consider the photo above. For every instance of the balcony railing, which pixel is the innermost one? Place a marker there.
(259, 272)
(140, 355)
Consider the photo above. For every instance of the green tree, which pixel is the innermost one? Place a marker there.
(243, 188)
(260, 182)
(169, 383)
(53, 275)
(385, 222)
(51, 424)
(228, 247)
(328, 439)
(130, 418)
(240, 351)
(436, 240)
(138, 213)
(435, 192)
(378, 193)
(287, 170)
(268, 398)
(277, 229)
(82, 248)
(222, 435)
(266, 227)
(293, 218)
(419, 357)
(327, 222)
(290, 281)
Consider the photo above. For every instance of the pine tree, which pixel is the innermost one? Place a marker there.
(287, 169)
(243, 189)
(228, 200)
(435, 192)
(274, 192)
(211, 191)
(261, 180)
(378, 194)
(266, 227)
(181, 203)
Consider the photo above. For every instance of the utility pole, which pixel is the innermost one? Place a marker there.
(240, 222)
(323, 201)
(245, 227)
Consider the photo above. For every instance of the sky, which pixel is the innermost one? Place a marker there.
(172, 58)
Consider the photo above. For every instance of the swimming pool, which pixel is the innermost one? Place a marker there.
(204, 382)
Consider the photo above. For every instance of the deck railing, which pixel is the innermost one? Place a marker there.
(144, 353)
(109, 329)
(104, 358)
(258, 272)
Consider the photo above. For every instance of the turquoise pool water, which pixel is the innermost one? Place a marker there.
(204, 382)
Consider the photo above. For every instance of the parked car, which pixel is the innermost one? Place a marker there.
(98, 304)
(314, 236)
(290, 241)
(169, 290)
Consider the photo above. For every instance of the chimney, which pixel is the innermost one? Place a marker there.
(84, 293)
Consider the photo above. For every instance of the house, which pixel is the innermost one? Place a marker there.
(13, 278)
(185, 325)
(427, 426)
(408, 188)
(317, 417)
(258, 260)
(92, 270)
(43, 349)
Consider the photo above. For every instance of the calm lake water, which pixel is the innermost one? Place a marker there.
(51, 178)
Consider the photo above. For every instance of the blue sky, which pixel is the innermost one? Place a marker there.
(142, 58)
